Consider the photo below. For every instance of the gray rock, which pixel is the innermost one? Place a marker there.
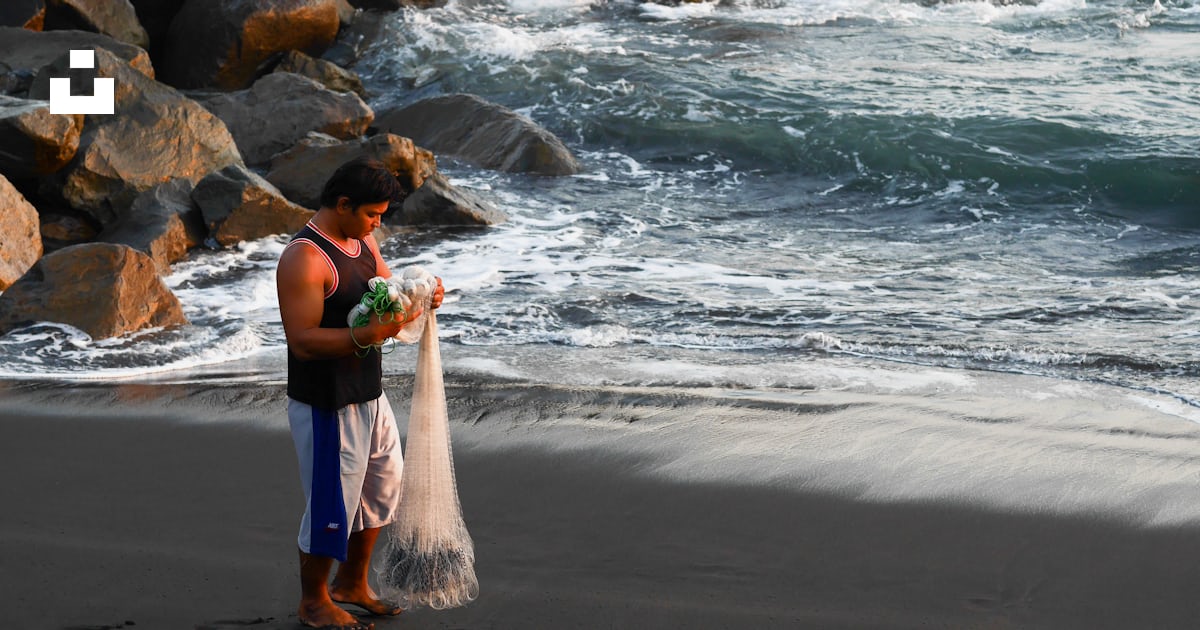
(224, 43)
(156, 134)
(104, 289)
(324, 72)
(115, 18)
(26, 52)
(15, 82)
(482, 133)
(353, 39)
(300, 172)
(437, 202)
(63, 227)
(33, 141)
(162, 223)
(346, 12)
(238, 205)
(282, 108)
(20, 237)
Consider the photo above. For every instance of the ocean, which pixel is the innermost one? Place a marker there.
(775, 193)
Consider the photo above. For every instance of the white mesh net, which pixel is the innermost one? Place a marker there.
(428, 558)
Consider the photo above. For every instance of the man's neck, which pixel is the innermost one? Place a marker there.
(326, 220)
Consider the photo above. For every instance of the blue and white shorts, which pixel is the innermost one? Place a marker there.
(350, 467)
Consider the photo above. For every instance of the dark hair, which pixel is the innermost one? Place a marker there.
(361, 180)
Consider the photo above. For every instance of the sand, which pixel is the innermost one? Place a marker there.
(176, 506)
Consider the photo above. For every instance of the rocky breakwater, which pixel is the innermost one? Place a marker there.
(228, 115)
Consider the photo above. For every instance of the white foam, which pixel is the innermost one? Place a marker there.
(682, 11)
(795, 133)
(540, 6)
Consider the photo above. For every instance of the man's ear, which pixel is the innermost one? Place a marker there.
(343, 203)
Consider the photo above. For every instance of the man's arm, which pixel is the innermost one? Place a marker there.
(301, 280)
(381, 268)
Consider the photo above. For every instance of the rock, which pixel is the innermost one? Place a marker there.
(239, 206)
(24, 51)
(437, 202)
(103, 289)
(14, 81)
(162, 223)
(282, 108)
(346, 13)
(20, 238)
(301, 172)
(115, 18)
(156, 134)
(326, 73)
(33, 141)
(26, 14)
(156, 16)
(353, 39)
(488, 135)
(63, 227)
(223, 43)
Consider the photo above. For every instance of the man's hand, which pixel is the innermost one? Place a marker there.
(438, 294)
(377, 330)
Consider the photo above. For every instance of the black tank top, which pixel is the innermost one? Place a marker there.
(334, 383)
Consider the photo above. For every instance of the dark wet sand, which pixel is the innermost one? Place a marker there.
(170, 524)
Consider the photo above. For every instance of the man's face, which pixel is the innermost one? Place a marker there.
(362, 220)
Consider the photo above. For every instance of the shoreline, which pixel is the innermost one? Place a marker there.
(176, 506)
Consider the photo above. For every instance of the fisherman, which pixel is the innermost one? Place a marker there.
(342, 424)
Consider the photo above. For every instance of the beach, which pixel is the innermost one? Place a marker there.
(1008, 502)
(854, 314)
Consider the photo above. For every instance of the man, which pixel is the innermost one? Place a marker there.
(342, 424)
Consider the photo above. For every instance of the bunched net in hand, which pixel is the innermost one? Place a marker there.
(428, 558)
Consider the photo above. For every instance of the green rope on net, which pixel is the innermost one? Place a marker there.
(378, 300)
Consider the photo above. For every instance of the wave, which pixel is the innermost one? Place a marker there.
(1016, 106)
(1002, 162)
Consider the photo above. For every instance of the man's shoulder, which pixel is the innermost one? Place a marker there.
(303, 252)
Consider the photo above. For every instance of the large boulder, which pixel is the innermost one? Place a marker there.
(162, 223)
(103, 289)
(25, 52)
(115, 18)
(282, 108)
(482, 133)
(32, 140)
(324, 72)
(223, 43)
(239, 205)
(438, 202)
(20, 238)
(301, 172)
(29, 14)
(156, 134)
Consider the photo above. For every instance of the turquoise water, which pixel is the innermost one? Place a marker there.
(1009, 188)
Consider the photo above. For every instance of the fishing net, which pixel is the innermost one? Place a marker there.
(392, 299)
(428, 558)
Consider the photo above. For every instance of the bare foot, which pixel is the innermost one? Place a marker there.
(326, 615)
(365, 599)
